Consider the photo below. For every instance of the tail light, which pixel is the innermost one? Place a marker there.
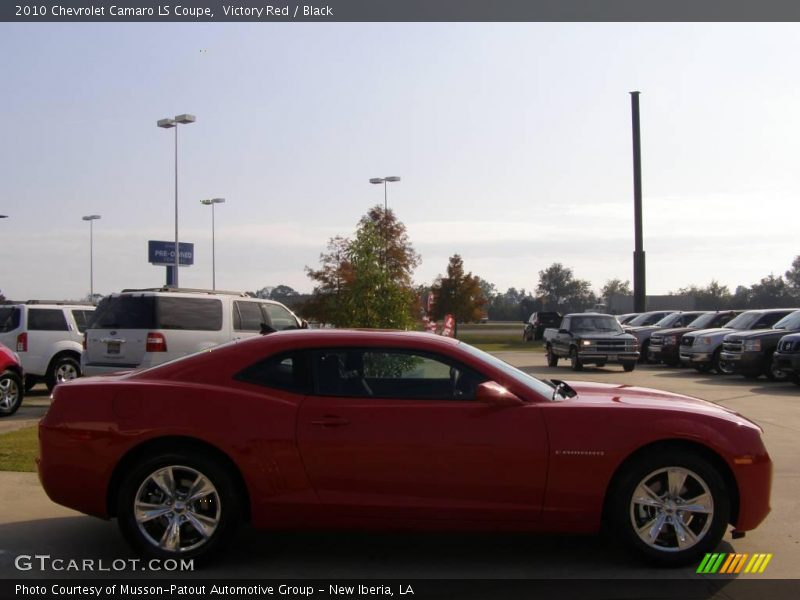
(22, 342)
(156, 343)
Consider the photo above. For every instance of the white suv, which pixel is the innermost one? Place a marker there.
(47, 338)
(143, 328)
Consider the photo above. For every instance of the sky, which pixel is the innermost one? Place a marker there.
(513, 142)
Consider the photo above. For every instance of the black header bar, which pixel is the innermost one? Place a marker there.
(252, 11)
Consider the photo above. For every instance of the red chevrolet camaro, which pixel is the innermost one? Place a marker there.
(384, 430)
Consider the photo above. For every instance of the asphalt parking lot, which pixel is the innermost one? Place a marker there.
(30, 524)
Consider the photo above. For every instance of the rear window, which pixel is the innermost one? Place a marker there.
(9, 319)
(47, 319)
(125, 312)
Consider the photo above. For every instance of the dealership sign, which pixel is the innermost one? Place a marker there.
(163, 253)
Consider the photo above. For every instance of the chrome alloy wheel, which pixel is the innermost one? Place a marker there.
(177, 509)
(66, 371)
(9, 393)
(672, 509)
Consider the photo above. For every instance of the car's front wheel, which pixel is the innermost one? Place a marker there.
(574, 360)
(671, 509)
(552, 359)
(10, 393)
(177, 505)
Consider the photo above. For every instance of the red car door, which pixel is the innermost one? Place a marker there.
(382, 440)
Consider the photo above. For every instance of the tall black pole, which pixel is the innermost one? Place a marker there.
(639, 287)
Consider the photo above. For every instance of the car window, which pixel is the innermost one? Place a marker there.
(247, 316)
(47, 319)
(9, 318)
(790, 321)
(286, 371)
(395, 374)
(196, 314)
(280, 317)
(125, 312)
(81, 318)
(769, 319)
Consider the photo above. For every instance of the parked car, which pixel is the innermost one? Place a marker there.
(374, 429)
(643, 332)
(750, 353)
(48, 338)
(590, 338)
(701, 349)
(11, 378)
(143, 328)
(787, 356)
(665, 344)
(538, 322)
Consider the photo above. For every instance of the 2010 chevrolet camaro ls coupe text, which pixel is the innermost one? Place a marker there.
(385, 430)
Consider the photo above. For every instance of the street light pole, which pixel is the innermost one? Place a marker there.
(91, 219)
(385, 181)
(184, 119)
(212, 202)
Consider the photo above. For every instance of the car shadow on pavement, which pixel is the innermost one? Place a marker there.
(329, 555)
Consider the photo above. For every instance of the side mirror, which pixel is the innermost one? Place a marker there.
(303, 324)
(491, 392)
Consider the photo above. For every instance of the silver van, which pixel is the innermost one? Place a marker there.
(143, 328)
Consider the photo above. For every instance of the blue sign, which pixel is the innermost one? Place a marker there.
(163, 253)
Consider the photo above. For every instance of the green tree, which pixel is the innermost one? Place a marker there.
(615, 286)
(458, 294)
(366, 281)
(793, 276)
(712, 297)
(558, 288)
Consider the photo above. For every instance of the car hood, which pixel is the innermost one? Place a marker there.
(600, 335)
(759, 334)
(676, 331)
(711, 332)
(622, 396)
(641, 328)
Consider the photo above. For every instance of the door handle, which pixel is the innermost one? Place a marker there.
(331, 421)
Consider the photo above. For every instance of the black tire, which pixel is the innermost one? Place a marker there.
(11, 393)
(702, 368)
(222, 507)
(715, 358)
(600, 364)
(552, 359)
(629, 366)
(700, 477)
(643, 353)
(63, 368)
(574, 360)
(774, 374)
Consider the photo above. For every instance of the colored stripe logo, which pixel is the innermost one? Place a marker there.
(727, 564)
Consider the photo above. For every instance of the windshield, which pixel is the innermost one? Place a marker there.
(669, 320)
(703, 321)
(645, 319)
(744, 320)
(790, 321)
(595, 323)
(529, 381)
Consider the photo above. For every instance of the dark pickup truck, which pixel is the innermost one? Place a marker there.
(749, 353)
(590, 338)
(787, 357)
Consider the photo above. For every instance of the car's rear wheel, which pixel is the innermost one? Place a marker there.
(671, 508)
(552, 359)
(178, 505)
(64, 368)
(629, 366)
(716, 362)
(643, 354)
(574, 360)
(10, 393)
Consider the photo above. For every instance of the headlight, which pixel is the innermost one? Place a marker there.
(705, 341)
(586, 343)
(752, 345)
(670, 340)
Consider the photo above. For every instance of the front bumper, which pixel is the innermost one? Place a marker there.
(593, 357)
(695, 358)
(667, 354)
(788, 363)
(746, 363)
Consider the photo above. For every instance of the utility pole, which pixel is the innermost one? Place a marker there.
(639, 286)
